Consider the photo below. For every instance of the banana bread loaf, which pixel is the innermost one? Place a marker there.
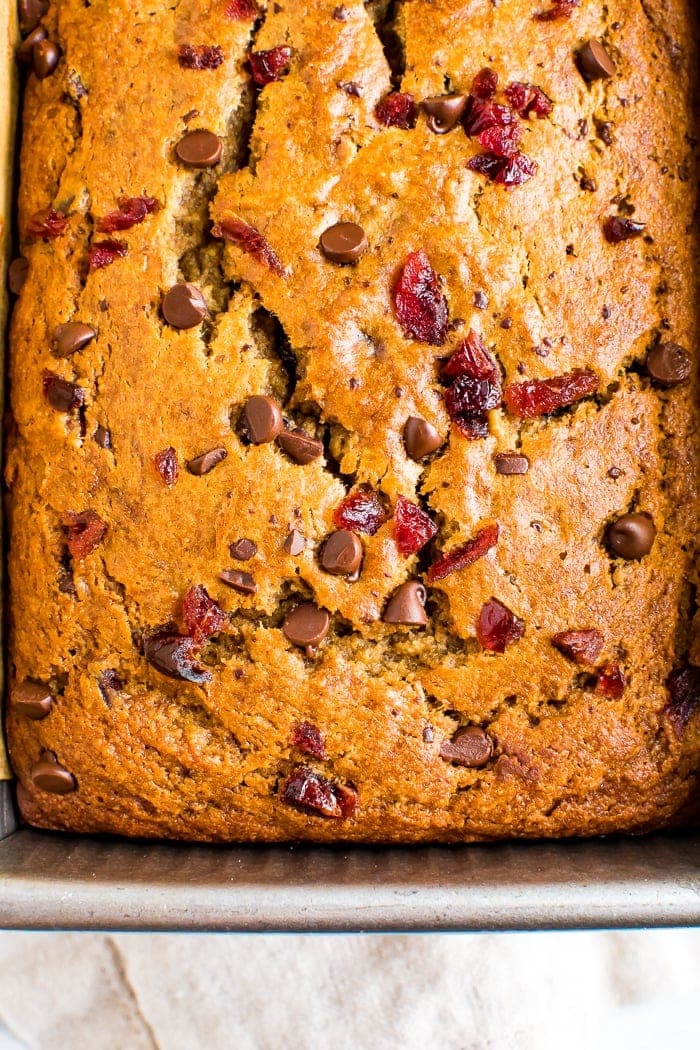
(352, 458)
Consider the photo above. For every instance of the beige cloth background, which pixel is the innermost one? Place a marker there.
(569, 991)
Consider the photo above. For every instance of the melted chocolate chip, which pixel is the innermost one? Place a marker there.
(302, 448)
(420, 438)
(631, 536)
(262, 419)
(294, 543)
(342, 553)
(207, 461)
(173, 655)
(511, 463)
(72, 336)
(49, 775)
(17, 274)
(61, 394)
(443, 112)
(470, 747)
(184, 306)
(30, 13)
(45, 57)
(243, 549)
(25, 51)
(668, 364)
(407, 605)
(594, 61)
(31, 700)
(239, 580)
(199, 149)
(343, 243)
(306, 625)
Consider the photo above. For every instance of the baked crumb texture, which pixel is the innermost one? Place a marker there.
(301, 700)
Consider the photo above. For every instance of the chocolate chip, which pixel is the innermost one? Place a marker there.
(407, 605)
(173, 655)
(207, 461)
(72, 336)
(184, 306)
(471, 747)
(30, 13)
(511, 463)
(668, 364)
(199, 149)
(443, 112)
(61, 394)
(307, 625)
(294, 543)
(351, 87)
(588, 184)
(262, 418)
(617, 229)
(340, 13)
(594, 61)
(481, 300)
(343, 243)
(25, 51)
(102, 436)
(17, 274)
(49, 775)
(31, 700)
(614, 473)
(45, 58)
(507, 323)
(342, 553)
(243, 550)
(239, 580)
(302, 448)
(631, 536)
(420, 438)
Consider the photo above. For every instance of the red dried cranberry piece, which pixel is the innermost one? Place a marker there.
(201, 615)
(472, 359)
(240, 10)
(61, 394)
(480, 115)
(559, 10)
(515, 170)
(413, 528)
(250, 241)
(539, 397)
(269, 66)
(167, 466)
(200, 56)
(420, 305)
(462, 557)
(683, 686)
(583, 647)
(361, 511)
(309, 739)
(528, 98)
(309, 791)
(486, 164)
(485, 83)
(501, 141)
(498, 627)
(468, 400)
(47, 224)
(132, 210)
(617, 229)
(103, 253)
(397, 110)
(173, 655)
(85, 531)
(611, 682)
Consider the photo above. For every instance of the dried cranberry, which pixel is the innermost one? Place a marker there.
(468, 400)
(420, 305)
(515, 170)
(559, 10)
(479, 115)
(167, 466)
(462, 557)
(617, 229)
(361, 511)
(309, 739)
(486, 164)
(528, 98)
(413, 528)
(173, 655)
(249, 240)
(503, 142)
(239, 10)
(200, 56)
(472, 359)
(47, 224)
(611, 682)
(103, 253)
(498, 627)
(269, 66)
(308, 790)
(201, 615)
(485, 83)
(683, 686)
(61, 394)
(397, 111)
(539, 397)
(132, 210)
(583, 647)
(85, 531)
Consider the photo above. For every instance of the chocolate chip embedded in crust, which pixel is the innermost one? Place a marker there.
(25, 51)
(631, 536)
(307, 625)
(594, 61)
(49, 775)
(207, 461)
(45, 58)
(471, 747)
(31, 699)
(295, 543)
(669, 364)
(262, 418)
(343, 243)
(17, 274)
(61, 394)
(30, 13)
(302, 448)
(184, 306)
(420, 438)
(239, 580)
(443, 112)
(199, 149)
(72, 336)
(407, 605)
(243, 550)
(511, 463)
(102, 436)
(481, 300)
(342, 553)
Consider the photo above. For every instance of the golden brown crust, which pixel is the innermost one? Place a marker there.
(160, 757)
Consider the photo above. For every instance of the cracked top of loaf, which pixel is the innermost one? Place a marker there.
(351, 463)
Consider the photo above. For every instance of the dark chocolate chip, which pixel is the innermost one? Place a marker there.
(481, 300)
(31, 700)
(420, 438)
(262, 418)
(507, 323)
(668, 364)
(243, 550)
(443, 112)
(25, 51)
(184, 306)
(49, 775)
(207, 461)
(343, 243)
(617, 229)
(61, 394)
(17, 274)
(302, 448)
(471, 747)
(295, 542)
(407, 605)
(342, 553)
(306, 625)
(340, 13)
(351, 87)
(631, 536)
(30, 13)
(199, 149)
(511, 463)
(173, 655)
(102, 436)
(72, 336)
(594, 61)
(239, 580)
(45, 58)
(588, 184)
